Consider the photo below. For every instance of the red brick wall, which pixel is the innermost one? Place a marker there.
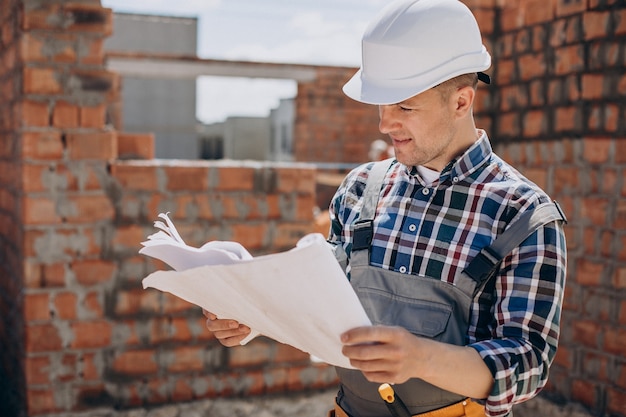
(329, 126)
(12, 380)
(557, 108)
(73, 208)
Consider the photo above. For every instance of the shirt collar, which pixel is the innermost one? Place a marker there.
(459, 168)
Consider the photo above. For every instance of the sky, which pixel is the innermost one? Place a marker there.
(323, 32)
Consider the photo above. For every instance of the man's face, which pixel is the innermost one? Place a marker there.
(421, 129)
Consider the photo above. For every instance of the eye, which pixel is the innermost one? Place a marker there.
(404, 108)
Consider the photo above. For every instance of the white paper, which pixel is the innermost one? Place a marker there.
(300, 297)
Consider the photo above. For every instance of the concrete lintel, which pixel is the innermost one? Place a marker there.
(190, 68)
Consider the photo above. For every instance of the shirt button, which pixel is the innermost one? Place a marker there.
(455, 180)
(425, 191)
(403, 269)
(412, 228)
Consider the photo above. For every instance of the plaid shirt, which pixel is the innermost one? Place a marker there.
(435, 229)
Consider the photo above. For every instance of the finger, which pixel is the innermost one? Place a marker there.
(216, 325)
(368, 352)
(208, 314)
(232, 337)
(368, 334)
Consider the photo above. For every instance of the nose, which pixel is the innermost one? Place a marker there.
(388, 122)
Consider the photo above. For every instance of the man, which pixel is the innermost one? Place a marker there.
(445, 331)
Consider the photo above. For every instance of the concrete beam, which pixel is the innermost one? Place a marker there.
(191, 67)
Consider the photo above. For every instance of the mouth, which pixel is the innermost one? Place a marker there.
(400, 141)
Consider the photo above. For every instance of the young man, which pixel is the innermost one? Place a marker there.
(446, 329)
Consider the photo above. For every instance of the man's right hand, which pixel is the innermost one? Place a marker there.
(228, 332)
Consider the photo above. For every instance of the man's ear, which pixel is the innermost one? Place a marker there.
(464, 100)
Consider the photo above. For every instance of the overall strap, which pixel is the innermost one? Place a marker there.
(484, 265)
(364, 226)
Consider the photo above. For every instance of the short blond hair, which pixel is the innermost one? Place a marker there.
(453, 84)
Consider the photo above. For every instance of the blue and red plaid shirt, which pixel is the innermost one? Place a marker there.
(434, 230)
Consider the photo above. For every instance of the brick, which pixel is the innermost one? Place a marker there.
(593, 86)
(135, 145)
(620, 151)
(595, 211)
(289, 354)
(512, 19)
(255, 353)
(604, 118)
(41, 401)
(136, 176)
(31, 48)
(567, 119)
(596, 24)
(41, 81)
(251, 236)
(569, 59)
(38, 275)
(564, 357)
(597, 150)
(538, 11)
(93, 145)
(584, 392)
(65, 115)
(42, 145)
(589, 273)
(566, 180)
(35, 114)
(92, 116)
(37, 307)
(87, 208)
(588, 333)
(569, 7)
(91, 334)
(603, 55)
(616, 400)
(173, 305)
(513, 97)
(89, 368)
(37, 370)
(91, 51)
(186, 359)
(620, 215)
(128, 238)
(93, 305)
(620, 18)
(182, 391)
(94, 272)
(33, 177)
(170, 329)
(135, 363)
(65, 305)
(187, 178)
(619, 278)
(42, 338)
(132, 302)
(67, 370)
(532, 66)
(296, 180)
(235, 178)
(288, 234)
(40, 210)
(534, 123)
(614, 341)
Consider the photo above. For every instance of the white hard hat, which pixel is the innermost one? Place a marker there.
(414, 45)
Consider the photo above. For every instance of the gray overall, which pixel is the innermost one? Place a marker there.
(425, 306)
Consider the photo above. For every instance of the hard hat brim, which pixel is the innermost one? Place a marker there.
(395, 91)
